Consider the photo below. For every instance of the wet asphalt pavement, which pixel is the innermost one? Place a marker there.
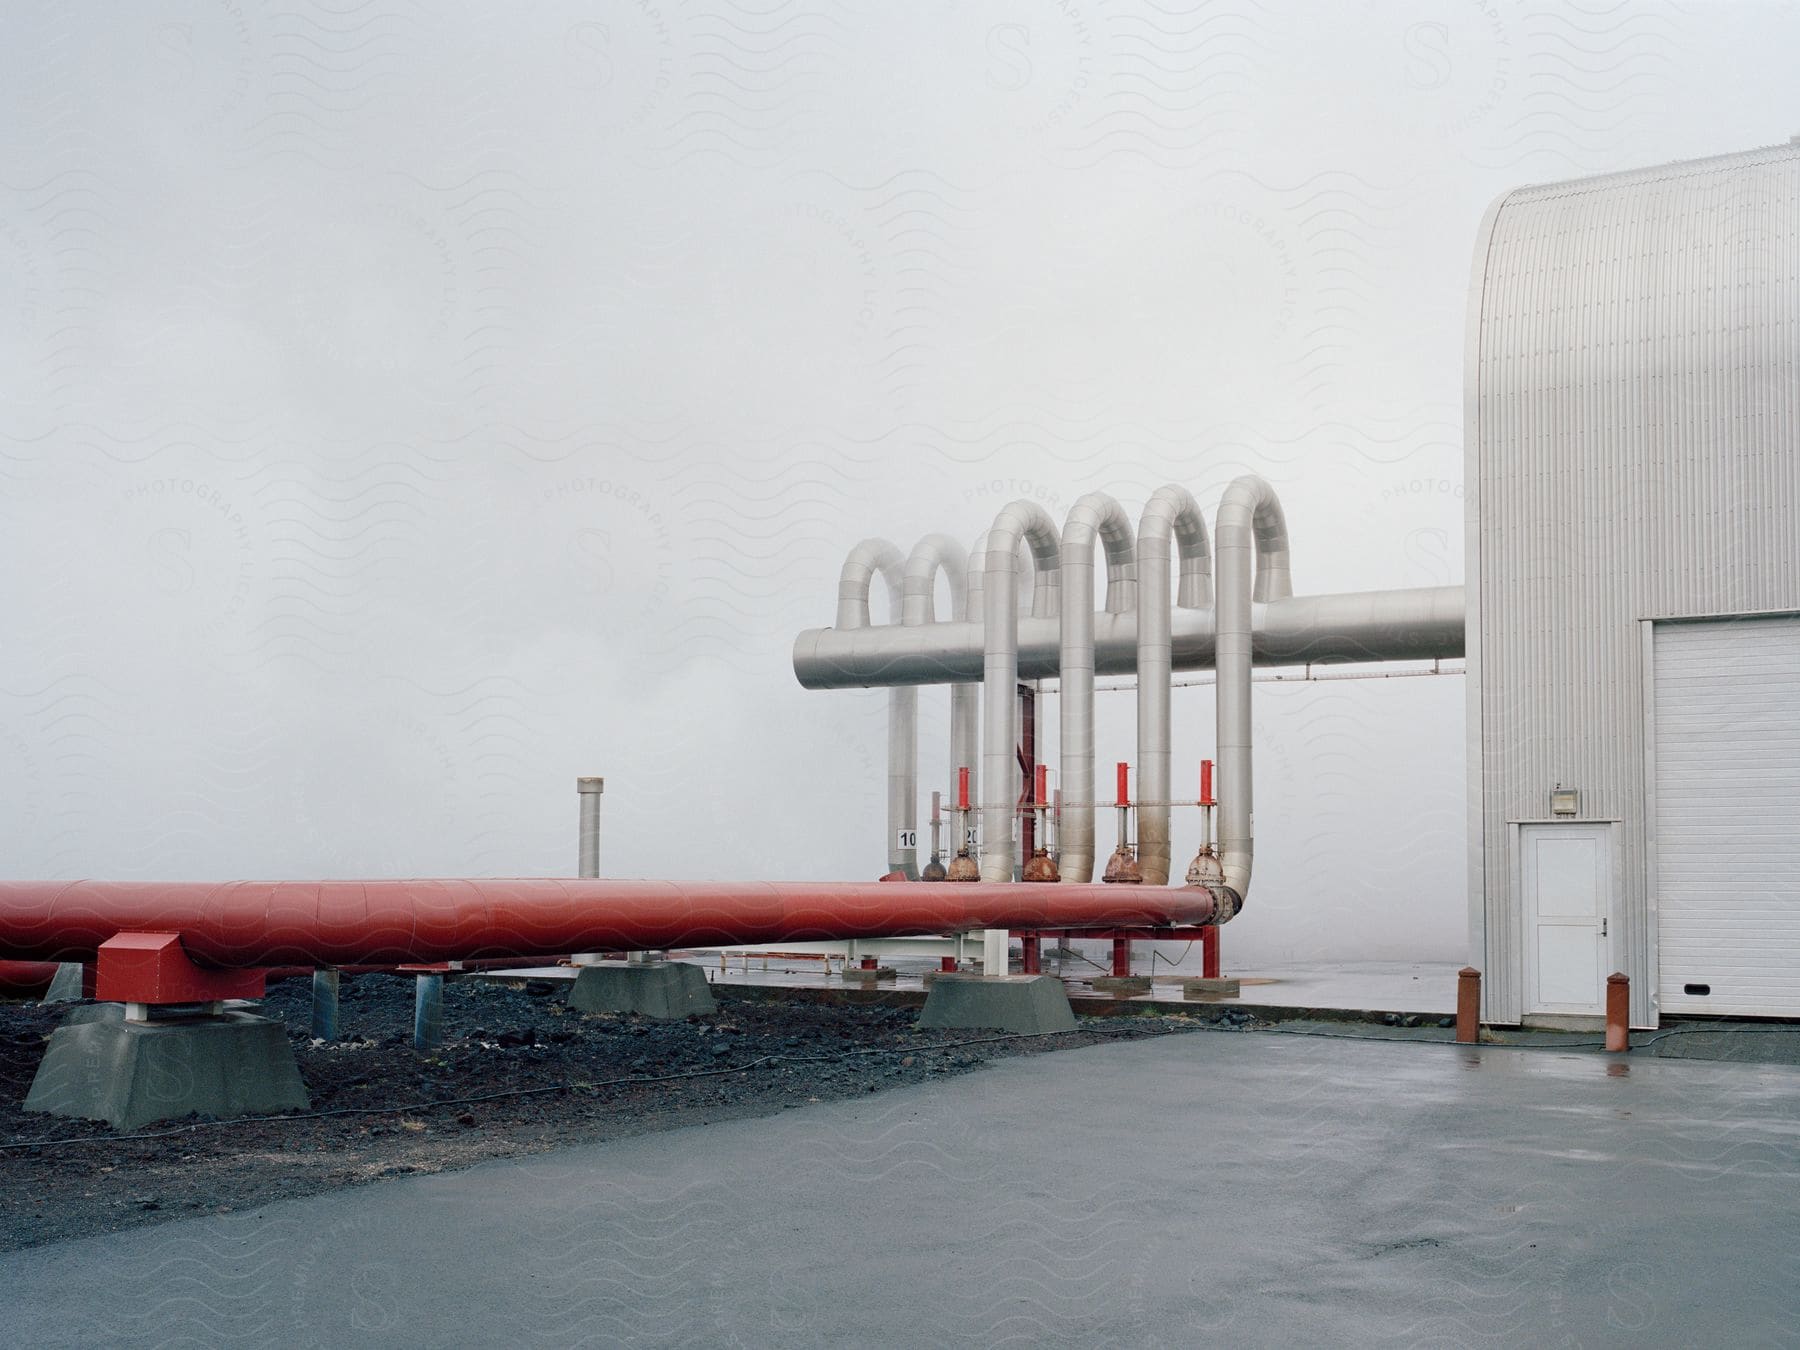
(1210, 1188)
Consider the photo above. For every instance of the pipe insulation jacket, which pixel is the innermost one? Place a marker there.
(1170, 516)
(1095, 516)
(330, 923)
(1251, 548)
(932, 554)
(854, 581)
(1418, 624)
(1000, 666)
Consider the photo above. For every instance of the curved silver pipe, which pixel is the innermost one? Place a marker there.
(1000, 667)
(1096, 515)
(934, 553)
(1249, 528)
(1171, 514)
(854, 580)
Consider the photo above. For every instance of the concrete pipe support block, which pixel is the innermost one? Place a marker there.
(1015, 1003)
(130, 1074)
(665, 990)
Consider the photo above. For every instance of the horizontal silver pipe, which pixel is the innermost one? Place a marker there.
(1425, 624)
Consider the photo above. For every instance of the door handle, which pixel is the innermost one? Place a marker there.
(1603, 928)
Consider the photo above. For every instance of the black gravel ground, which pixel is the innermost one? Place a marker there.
(518, 1073)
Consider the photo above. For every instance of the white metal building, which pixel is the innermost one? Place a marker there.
(1633, 488)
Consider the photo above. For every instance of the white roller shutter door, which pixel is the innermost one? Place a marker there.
(1727, 747)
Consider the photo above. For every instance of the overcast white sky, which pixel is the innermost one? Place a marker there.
(405, 408)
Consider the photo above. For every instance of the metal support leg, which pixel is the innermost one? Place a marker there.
(1031, 948)
(428, 1014)
(1121, 956)
(325, 1005)
(1209, 951)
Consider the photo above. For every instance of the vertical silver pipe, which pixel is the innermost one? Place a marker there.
(918, 606)
(588, 831)
(858, 573)
(1171, 515)
(1095, 515)
(1249, 528)
(1000, 668)
(587, 846)
(903, 782)
(968, 751)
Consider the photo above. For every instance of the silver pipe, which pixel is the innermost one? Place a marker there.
(1095, 515)
(1171, 514)
(968, 750)
(1425, 624)
(588, 831)
(1000, 667)
(931, 554)
(588, 792)
(854, 580)
(1249, 528)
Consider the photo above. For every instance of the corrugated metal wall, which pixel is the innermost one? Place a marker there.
(1634, 380)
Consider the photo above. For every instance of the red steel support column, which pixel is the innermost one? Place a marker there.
(1209, 951)
(1033, 956)
(1121, 956)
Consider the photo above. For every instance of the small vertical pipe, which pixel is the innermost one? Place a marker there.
(428, 1014)
(1206, 795)
(1121, 956)
(1468, 1005)
(1618, 1013)
(325, 1005)
(1123, 774)
(587, 846)
(588, 860)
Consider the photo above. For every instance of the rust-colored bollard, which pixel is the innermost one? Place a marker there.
(1468, 1006)
(1618, 1013)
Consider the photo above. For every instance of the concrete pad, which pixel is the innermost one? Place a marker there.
(1016, 1003)
(128, 1074)
(1193, 987)
(1376, 1195)
(856, 974)
(665, 990)
(1128, 985)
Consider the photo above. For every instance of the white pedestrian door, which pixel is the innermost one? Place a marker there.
(1567, 876)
